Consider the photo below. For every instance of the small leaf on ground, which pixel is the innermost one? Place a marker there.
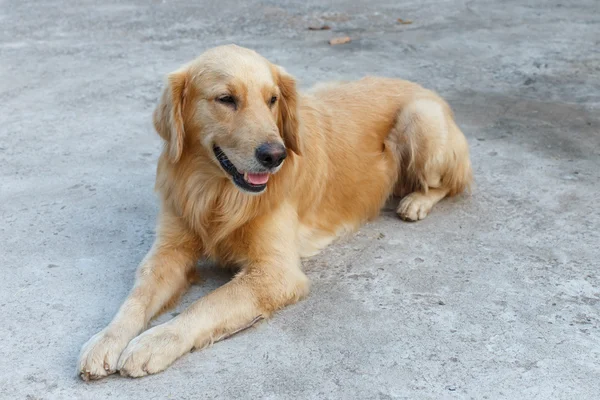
(339, 40)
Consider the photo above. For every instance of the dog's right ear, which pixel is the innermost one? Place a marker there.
(168, 115)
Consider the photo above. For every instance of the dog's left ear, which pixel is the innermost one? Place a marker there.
(288, 122)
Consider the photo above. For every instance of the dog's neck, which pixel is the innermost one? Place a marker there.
(212, 205)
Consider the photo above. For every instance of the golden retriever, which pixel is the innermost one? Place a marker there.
(257, 175)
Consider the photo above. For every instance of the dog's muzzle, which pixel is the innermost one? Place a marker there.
(253, 182)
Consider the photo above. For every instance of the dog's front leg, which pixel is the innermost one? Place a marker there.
(162, 276)
(271, 279)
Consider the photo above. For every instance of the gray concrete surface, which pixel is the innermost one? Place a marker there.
(493, 296)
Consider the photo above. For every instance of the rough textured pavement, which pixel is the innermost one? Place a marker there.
(495, 295)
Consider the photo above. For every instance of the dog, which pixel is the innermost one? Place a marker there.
(256, 175)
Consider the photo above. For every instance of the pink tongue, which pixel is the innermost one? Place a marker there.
(258, 179)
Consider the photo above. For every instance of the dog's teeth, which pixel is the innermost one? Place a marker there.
(245, 176)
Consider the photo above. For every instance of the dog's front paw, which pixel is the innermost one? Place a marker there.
(152, 352)
(414, 207)
(99, 356)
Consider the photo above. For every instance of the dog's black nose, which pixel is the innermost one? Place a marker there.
(270, 155)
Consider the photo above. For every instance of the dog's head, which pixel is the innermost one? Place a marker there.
(236, 105)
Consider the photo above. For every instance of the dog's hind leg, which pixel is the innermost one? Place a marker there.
(434, 156)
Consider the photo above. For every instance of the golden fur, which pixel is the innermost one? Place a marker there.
(350, 145)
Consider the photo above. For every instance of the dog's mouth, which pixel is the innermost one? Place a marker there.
(254, 182)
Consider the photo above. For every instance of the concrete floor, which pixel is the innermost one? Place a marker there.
(493, 296)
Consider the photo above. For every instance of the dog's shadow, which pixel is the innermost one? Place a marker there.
(389, 208)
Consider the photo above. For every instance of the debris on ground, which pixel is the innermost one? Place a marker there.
(339, 40)
(404, 21)
(319, 28)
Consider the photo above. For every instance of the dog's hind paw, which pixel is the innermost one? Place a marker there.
(414, 207)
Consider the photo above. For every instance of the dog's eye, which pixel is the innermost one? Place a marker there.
(227, 100)
(273, 100)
